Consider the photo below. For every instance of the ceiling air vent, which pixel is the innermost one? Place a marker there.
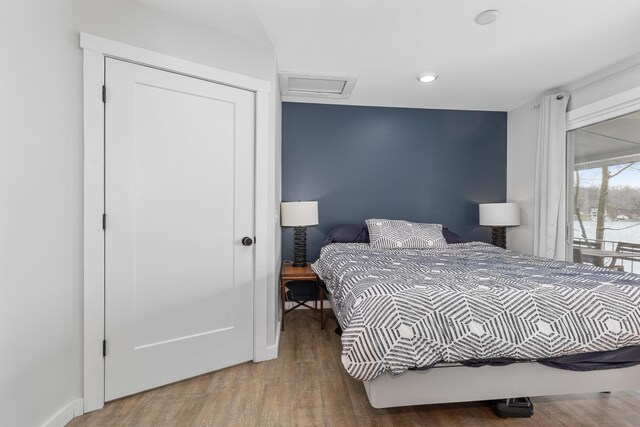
(317, 85)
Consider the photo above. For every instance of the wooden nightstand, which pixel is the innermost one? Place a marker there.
(300, 274)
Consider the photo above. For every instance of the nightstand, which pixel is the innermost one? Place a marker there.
(300, 274)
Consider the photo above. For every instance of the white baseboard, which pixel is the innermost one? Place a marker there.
(78, 407)
(272, 351)
(66, 414)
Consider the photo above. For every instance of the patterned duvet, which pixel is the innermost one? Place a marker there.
(408, 308)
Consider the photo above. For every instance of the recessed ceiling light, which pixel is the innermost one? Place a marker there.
(427, 77)
(487, 17)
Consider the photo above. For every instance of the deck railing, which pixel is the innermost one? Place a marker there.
(630, 250)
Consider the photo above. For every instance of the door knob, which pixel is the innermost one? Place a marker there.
(246, 241)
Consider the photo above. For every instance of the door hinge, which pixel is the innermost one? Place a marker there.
(104, 93)
(104, 221)
(104, 348)
(254, 240)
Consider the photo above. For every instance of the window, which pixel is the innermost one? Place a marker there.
(604, 193)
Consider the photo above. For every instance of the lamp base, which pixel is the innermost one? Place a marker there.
(299, 246)
(499, 237)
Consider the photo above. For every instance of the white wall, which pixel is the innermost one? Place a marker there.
(522, 130)
(40, 213)
(130, 22)
(522, 136)
(41, 179)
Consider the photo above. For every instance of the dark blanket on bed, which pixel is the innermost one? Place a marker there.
(595, 361)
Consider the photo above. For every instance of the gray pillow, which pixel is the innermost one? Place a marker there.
(398, 234)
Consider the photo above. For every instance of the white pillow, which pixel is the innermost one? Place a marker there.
(398, 234)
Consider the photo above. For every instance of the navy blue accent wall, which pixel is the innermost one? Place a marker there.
(398, 163)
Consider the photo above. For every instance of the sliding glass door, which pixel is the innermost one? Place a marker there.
(604, 193)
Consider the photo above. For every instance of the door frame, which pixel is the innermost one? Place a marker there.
(95, 50)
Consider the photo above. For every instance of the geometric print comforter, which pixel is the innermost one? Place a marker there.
(412, 308)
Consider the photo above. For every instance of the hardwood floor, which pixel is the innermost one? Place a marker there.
(307, 386)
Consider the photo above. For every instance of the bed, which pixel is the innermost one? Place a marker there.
(430, 325)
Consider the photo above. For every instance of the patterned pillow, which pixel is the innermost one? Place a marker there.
(396, 234)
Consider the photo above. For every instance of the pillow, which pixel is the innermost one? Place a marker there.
(359, 233)
(395, 234)
(347, 233)
(452, 237)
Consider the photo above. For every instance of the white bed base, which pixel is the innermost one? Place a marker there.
(445, 384)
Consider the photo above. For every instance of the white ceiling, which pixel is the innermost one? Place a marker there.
(536, 45)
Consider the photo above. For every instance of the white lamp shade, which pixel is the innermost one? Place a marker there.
(298, 214)
(499, 214)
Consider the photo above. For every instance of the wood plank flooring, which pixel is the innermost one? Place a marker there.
(307, 386)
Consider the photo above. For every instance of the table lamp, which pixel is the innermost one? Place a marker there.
(299, 215)
(499, 216)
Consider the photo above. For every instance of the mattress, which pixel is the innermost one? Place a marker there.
(410, 309)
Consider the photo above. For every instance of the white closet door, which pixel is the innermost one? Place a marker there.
(179, 165)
